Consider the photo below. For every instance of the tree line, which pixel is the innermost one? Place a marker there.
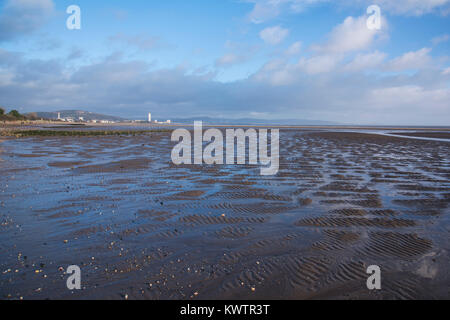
(14, 115)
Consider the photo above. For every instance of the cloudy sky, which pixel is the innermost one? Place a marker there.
(305, 59)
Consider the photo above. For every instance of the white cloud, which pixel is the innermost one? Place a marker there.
(364, 62)
(446, 71)
(351, 35)
(274, 35)
(412, 7)
(411, 61)
(229, 59)
(19, 17)
(133, 87)
(410, 98)
(319, 64)
(294, 49)
(440, 39)
(276, 72)
(265, 10)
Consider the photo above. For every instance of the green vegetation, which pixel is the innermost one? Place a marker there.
(75, 133)
(13, 115)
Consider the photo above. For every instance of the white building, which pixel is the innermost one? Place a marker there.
(149, 117)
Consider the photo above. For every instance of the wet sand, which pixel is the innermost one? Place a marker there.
(142, 228)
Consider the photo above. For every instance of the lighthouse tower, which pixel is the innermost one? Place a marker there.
(150, 117)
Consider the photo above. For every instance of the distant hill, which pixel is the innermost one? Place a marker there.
(87, 116)
(75, 114)
(250, 121)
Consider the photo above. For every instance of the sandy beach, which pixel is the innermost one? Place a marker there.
(142, 228)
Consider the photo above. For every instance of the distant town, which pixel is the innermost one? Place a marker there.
(72, 116)
(82, 119)
(80, 116)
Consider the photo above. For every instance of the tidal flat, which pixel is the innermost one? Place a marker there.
(140, 227)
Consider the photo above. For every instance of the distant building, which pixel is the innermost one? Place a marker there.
(166, 122)
(59, 115)
(149, 117)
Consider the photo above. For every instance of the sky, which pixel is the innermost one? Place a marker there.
(264, 59)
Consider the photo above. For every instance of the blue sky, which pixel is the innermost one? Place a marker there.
(305, 59)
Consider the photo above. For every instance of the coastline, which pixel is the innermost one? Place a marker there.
(32, 124)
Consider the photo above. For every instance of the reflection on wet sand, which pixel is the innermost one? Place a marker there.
(141, 227)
